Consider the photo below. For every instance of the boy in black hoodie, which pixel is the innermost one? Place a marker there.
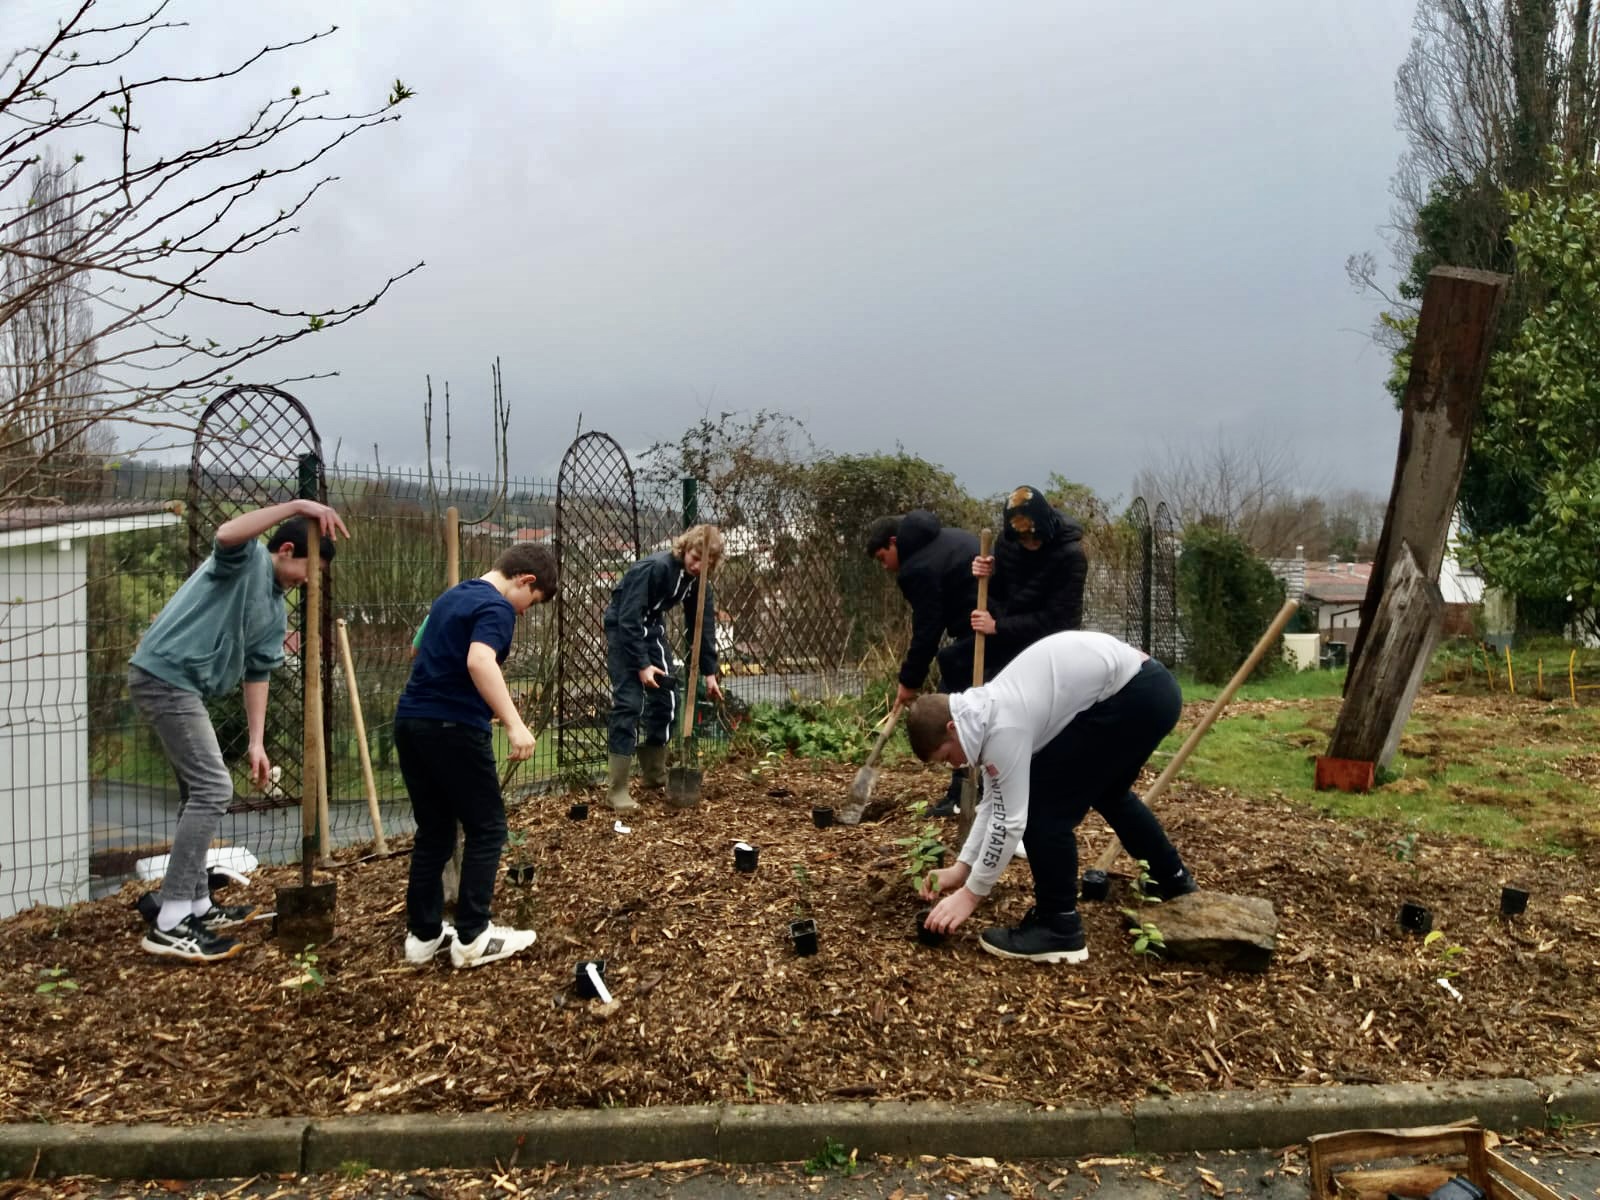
(933, 567)
(639, 660)
(1038, 571)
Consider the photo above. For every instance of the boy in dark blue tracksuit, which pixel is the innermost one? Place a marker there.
(639, 659)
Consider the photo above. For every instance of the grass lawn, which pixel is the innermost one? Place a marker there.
(1507, 770)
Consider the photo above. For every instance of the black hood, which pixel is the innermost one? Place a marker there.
(917, 529)
(1027, 511)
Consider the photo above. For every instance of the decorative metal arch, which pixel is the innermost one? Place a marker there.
(1165, 639)
(596, 539)
(1136, 576)
(256, 445)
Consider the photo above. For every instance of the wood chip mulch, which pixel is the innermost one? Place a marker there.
(713, 1005)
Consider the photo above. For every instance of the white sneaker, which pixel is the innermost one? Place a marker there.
(420, 953)
(493, 944)
(1022, 852)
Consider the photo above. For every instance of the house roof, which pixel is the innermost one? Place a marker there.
(37, 516)
(36, 524)
(1338, 583)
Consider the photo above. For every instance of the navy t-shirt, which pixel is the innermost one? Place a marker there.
(440, 687)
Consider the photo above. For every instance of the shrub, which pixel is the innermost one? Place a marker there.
(1227, 597)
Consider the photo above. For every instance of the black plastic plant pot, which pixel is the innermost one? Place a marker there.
(579, 812)
(822, 816)
(1414, 918)
(581, 979)
(520, 874)
(928, 937)
(745, 857)
(804, 936)
(1513, 902)
(1096, 885)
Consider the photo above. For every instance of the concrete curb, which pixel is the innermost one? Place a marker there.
(740, 1133)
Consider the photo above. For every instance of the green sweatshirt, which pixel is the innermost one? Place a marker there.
(226, 623)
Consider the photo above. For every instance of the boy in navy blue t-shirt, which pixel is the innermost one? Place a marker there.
(445, 745)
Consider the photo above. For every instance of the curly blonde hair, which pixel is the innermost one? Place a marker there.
(690, 539)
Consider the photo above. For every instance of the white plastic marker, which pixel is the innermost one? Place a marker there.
(619, 827)
(1451, 988)
(599, 984)
(743, 846)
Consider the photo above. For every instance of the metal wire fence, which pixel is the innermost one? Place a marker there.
(84, 783)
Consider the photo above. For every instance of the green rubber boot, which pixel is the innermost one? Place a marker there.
(653, 766)
(617, 797)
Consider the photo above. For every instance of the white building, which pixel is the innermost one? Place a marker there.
(45, 838)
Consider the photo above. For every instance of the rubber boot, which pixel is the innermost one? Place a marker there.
(653, 766)
(617, 797)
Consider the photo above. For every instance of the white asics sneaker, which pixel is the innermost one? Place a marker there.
(419, 953)
(493, 944)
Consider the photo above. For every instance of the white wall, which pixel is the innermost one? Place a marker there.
(44, 739)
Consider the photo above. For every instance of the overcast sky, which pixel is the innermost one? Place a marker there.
(1014, 238)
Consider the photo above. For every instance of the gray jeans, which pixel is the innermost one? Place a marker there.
(181, 722)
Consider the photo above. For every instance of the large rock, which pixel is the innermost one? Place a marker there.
(1235, 931)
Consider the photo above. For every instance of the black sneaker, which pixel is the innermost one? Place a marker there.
(1046, 939)
(945, 808)
(190, 941)
(1181, 884)
(229, 916)
(221, 916)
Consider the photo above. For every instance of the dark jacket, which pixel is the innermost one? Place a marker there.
(1034, 593)
(936, 579)
(635, 619)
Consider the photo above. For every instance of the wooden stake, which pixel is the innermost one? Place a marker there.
(349, 663)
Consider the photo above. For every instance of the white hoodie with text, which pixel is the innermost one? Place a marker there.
(1004, 723)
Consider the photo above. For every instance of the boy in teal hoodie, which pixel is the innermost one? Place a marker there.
(225, 624)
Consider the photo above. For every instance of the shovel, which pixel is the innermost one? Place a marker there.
(305, 913)
(969, 785)
(683, 781)
(867, 777)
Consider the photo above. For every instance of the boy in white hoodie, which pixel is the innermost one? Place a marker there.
(1065, 727)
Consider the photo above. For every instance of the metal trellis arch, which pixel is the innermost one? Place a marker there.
(254, 446)
(596, 539)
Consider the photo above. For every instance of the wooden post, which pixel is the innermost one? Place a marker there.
(1384, 684)
(452, 546)
(1448, 359)
(349, 662)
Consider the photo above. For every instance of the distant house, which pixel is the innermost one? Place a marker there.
(529, 533)
(44, 686)
(1334, 591)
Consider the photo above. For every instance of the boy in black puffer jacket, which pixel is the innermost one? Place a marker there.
(1038, 571)
(933, 567)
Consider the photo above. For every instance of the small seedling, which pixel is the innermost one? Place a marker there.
(1147, 939)
(802, 879)
(353, 1168)
(1560, 1122)
(1403, 848)
(1446, 952)
(1144, 887)
(832, 1157)
(311, 977)
(923, 849)
(55, 979)
(515, 837)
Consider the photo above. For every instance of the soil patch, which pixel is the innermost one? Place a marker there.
(713, 1004)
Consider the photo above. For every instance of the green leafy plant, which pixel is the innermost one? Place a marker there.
(832, 1157)
(311, 977)
(923, 849)
(1144, 887)
(1445, 953)
(353, 1169)
(516, 837)
(55, 979)
(1404, 848)
(1146, 935)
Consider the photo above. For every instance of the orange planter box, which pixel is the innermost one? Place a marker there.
(1344, 774)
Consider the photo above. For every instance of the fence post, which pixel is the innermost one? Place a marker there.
(691, 501)
(452, 546)
(1147, 582)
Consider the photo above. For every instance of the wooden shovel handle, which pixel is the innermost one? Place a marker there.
(985, 549)
(349, 662)
(703, 590)
(883, 737)
(1109, 855)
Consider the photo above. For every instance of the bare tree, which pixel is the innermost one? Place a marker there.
(138, 238)
(1251, 488)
